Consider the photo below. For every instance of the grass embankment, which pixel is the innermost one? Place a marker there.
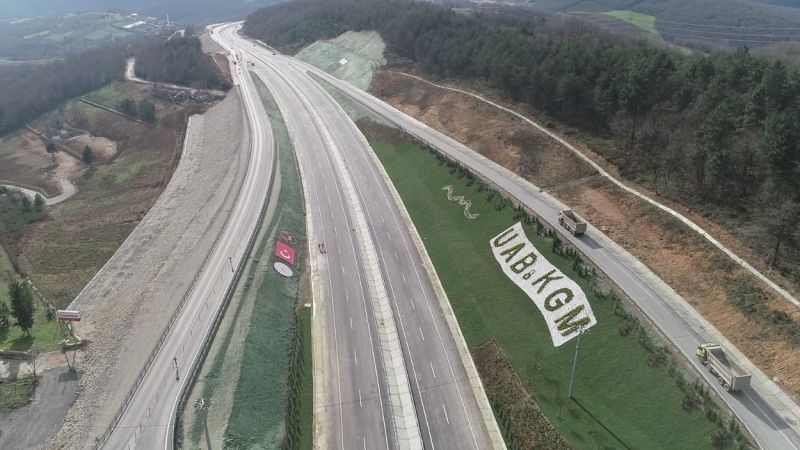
(265, 409)
(644, 21)
(263, 392)
(629, 392)
(45, 331)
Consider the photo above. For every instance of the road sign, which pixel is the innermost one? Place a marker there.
(284, 252)
(286, 236)
(68, 316)
(283, 269)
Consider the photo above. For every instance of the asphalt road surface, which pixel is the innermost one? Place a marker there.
(771, 428)
(147, 420)
(356, 405)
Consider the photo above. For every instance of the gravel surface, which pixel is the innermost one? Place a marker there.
(130, 301)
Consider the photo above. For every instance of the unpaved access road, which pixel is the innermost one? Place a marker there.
(128, 304)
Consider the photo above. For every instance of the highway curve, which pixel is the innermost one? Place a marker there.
(146, 420)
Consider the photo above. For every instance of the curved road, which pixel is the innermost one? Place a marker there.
(146, 420)
(348, 191)
(772, 418)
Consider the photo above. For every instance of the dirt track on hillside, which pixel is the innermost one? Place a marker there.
(695, 269)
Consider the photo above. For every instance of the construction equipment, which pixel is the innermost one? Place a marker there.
(730, 376)
(572, 222)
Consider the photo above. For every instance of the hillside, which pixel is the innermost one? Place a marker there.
(701, 24)
(195, 11)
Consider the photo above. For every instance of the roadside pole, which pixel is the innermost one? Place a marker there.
(200, 406)
(575, 362)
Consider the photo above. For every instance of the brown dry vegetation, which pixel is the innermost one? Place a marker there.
(62, 253)
(24, 162)
(695, 269)
(525, 426)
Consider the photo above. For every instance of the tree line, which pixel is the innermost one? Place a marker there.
(29, 90)
(718, 132)
(178, 60)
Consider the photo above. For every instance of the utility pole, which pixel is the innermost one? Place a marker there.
(200, 406)
(575, 362)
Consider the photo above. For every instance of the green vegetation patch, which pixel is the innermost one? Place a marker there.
(644, 21)
(16, 210)
(263, 412)
(16, 394)
(268, 388)
(628, 391)
(352, 56)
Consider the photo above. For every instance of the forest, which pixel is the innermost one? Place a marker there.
(26, 91)
(716, 132)
(177, 60)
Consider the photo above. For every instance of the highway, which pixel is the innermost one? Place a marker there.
(356, 217)
(769, 415)
(146, 420)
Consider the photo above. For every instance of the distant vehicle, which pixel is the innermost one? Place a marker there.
(730, 376)
(572, 222)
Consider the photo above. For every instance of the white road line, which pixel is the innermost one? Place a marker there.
(396, 257)
(445, 414)
(383, 220)
(355, 356)
(404, 277)
(359, 399)
(351, 322)
(346, 295)
(342, 266)
(433, 370)
(421, 333)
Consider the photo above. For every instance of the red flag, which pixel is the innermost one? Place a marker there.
(284, 252)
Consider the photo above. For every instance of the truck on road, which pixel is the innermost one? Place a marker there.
(572, 222)
(730, 376)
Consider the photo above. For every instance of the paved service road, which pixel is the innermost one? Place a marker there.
(147, 419)
(345, 182)
(767, 413)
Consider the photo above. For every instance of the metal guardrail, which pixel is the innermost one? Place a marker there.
(142, 373)
(228, 294)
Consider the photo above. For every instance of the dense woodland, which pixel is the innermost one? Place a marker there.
(177, 60)
(29, 90)
(719, 132)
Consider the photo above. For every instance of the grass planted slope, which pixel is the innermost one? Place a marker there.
(624, 397)
(644, 21)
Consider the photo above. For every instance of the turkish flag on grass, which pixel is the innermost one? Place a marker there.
(284, 252)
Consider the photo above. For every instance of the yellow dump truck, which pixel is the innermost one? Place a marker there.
(730, 376)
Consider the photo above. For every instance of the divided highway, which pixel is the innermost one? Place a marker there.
(146, 420)
(355, 217)
(770, 416)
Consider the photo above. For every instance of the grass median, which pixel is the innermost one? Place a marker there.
(624, 397)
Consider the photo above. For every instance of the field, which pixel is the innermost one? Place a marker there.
(41, 37)
(644, 21)
(624, 397)
(62, 253)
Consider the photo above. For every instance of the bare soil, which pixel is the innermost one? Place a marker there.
(24, 162)
(694, 268)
